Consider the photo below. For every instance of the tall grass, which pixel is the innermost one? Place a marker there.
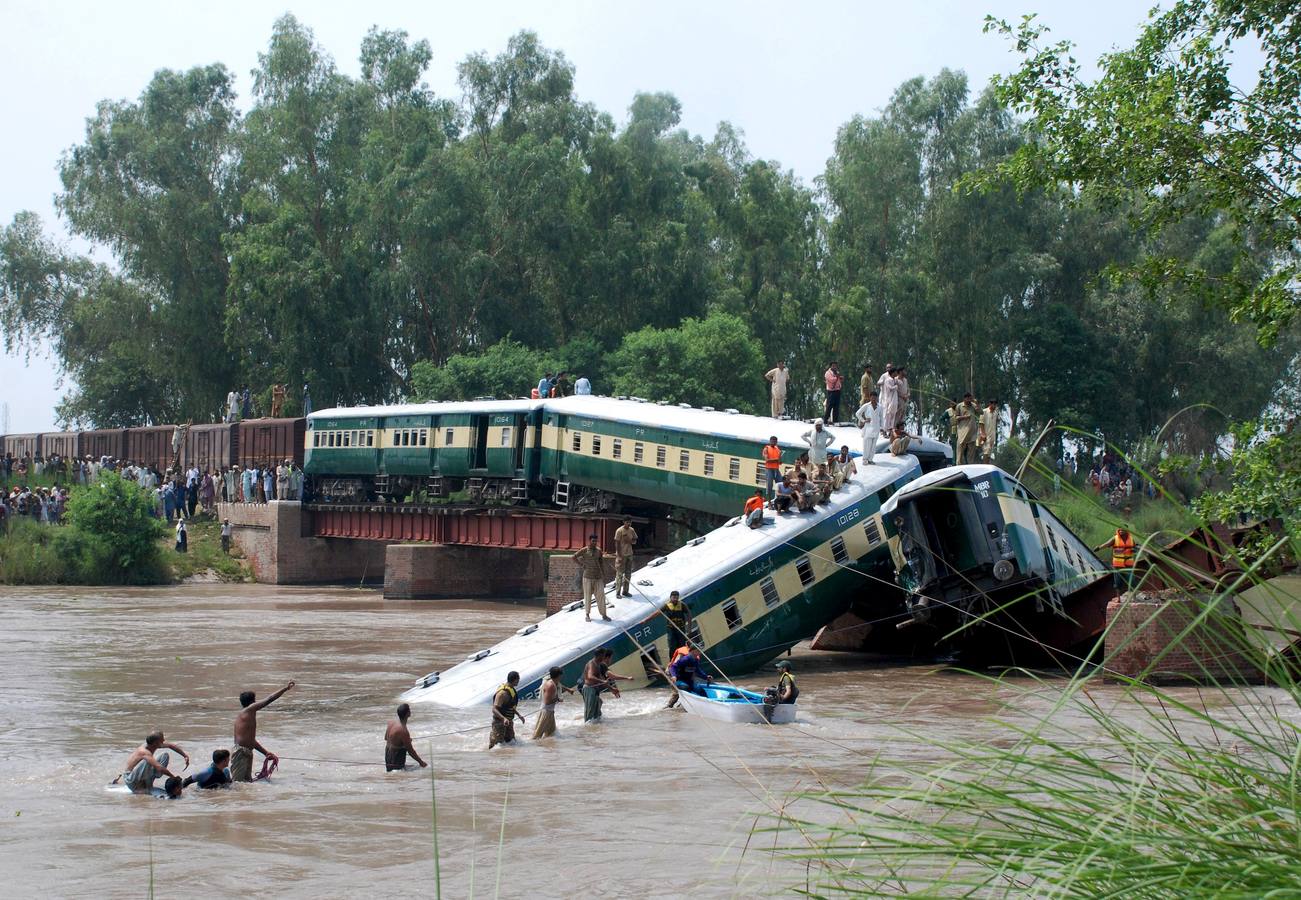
(1130, 790)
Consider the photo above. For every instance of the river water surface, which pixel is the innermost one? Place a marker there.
(647, 803)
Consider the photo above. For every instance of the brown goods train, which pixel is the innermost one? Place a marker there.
(263, 441)
(210, 447)
(102, 442)
(22, 445)
(150, 446)
(60, 443)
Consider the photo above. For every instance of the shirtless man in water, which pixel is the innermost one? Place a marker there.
(397, 743)
(241, 756)
(143, 766)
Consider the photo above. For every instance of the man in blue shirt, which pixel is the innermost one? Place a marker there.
(684, 671)
(215, 775)
(582, 387)
(544, 386)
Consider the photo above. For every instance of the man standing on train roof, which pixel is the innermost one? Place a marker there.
(753, 512)
(505, 708)
(241, 757)
(865, 384)
(772, 464)
(544, 386)
(966, 417)
(624, 539)
(835, 382)
(988, 438)
(869, 424)
(779, 378)
(582, 387)
(246, 403)
(307, 400)
(278, 391)
(592, 561)
(397, 742)
(818, 439)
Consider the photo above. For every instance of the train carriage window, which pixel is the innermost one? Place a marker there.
(709, 465)
(505, 436)
(370, 438)
(424, 437)
(684, 460)
(329, 438)
(805, 570)
(616, 448)
(1052, 539)
(759, 477)
(872, 532)
(638, 452)
(316, 439)
(768, 588)
(404, 438)
(838, 551)
(661, 457)
(447, 437)
(352, 437)
(577, 444)
(596, 445)
(732, 615)
(734, 469)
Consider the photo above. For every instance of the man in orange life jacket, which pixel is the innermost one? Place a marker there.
(754, 509)
(1122, 558)
(772, 465)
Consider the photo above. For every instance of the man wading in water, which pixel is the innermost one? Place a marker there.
(241, 757)
(551, 688)
(504, 710)
(397, 743)
(597, 677)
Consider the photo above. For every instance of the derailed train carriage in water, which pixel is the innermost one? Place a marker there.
(991, 573)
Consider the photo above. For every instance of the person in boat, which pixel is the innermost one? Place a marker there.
(241, 757)
(505, 708)
(754, 509)
(787, 690)
(685, 672)
(679, 621)
(146, 763)
(215, 775)
(551, 690)
(397, 742)
(597, 678)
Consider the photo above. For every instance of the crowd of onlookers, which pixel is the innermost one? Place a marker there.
(177, 494)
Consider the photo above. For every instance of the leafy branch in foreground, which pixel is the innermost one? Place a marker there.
(1165, 121)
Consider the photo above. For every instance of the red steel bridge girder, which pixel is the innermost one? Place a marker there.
(475, 528)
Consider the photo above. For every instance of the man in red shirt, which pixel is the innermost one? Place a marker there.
(834, 382)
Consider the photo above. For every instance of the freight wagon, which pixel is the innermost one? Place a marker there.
(21, 446)
(212, 448)
(266, 442)
(60, 443)
(150, 446)
(110, 442)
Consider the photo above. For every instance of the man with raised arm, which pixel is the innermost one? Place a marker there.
(241, 756)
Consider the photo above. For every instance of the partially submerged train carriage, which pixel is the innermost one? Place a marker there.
(975, 550)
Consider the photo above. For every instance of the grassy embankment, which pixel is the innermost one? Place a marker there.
(204, 554)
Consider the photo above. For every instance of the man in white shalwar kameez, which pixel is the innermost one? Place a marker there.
(870, 424)
(889, 405)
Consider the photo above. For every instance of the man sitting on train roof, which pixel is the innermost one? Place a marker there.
(754, 509)
(842, 467)
(785, 495)
(822, 483)
(806, 495)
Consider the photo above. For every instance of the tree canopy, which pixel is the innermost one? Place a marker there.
(382, 242)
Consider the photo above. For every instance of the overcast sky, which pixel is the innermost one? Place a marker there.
(787, 74)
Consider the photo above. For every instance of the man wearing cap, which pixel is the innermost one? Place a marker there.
(818, 440)
(592, 562)
(624, 539)
(787, 691)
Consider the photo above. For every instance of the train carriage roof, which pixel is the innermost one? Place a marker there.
(426, 409)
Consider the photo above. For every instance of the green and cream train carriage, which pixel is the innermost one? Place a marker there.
(975, 549)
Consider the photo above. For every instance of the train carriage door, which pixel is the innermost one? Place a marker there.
(480, 460)
(518, 436)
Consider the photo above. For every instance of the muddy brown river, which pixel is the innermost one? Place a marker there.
(647, 803)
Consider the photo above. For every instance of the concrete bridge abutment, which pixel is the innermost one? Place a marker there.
(276, 541)
(444, 571)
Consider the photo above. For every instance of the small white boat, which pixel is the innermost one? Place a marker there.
(729, 703)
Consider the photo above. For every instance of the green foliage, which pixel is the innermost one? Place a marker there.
(715, 361)
(204, 553)
(1164, 121)
(506, 369)
(117, 533)
(1264, 477)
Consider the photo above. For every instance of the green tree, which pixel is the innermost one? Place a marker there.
(506, 369)
(116, 532)
(1166, 120)
(715, 361)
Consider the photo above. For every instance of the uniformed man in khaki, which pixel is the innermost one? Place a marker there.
(624, 539)
(866, 384)
(967, 417)
(592, 562)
